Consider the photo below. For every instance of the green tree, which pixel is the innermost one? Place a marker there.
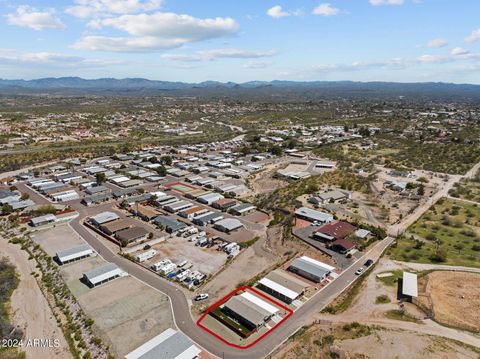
(100, 178)
(162, 171)
(166, 160)
(6, 208)
(421, 189)
(276, 150)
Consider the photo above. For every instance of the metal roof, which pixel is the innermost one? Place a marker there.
(241, 207)
(100, 273)
(168, 345)
(287, 281)
(98, 197)
(73, 252)
(229, 224)
(42, 219)
(247, 310)
(309, 267)
(170, 222)
(409, 284)
(315, 215)
(260, 302)
(105, 217)
(279, 288)
(210, 197)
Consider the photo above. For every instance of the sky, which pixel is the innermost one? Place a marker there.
(243, 40)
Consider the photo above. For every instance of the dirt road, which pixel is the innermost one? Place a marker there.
(30, 309)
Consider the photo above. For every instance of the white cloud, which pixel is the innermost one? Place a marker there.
(473, 37)
(458, 51)
(433, 59)
(157, 31)
(12, 57)
(27, 16)
(437, 43)
(100, 8)
(256, 65)
(325, 9)
(386, 2)
(208, 55)
(277, 12)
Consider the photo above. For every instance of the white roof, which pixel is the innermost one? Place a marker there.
(120, 179)
(409, 284)
(105, 217)
(260, 302)
(315, 215)
(73, 253)
(210, 196)
(279, 288)
(362, 233)
(99, 274)
(170, 344)
(317, 263)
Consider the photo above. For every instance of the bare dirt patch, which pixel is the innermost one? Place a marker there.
(453, 297)
(264, 181)
(30, 309)
(360, 341)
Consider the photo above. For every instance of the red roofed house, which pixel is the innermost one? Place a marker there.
(343, 245)
(334, 231)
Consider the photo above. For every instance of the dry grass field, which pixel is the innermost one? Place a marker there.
(454, 298)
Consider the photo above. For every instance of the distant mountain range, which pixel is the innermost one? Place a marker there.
(131, 86)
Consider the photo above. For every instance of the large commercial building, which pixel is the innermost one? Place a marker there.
(310, 269)
(74, 254)
(168, 345)
(103, 274)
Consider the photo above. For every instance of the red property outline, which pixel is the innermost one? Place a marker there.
(224, 299)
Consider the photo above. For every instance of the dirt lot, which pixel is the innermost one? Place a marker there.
(347, 341)
(454, 297)
(57, 239)
(263, 181)
(30, 308)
